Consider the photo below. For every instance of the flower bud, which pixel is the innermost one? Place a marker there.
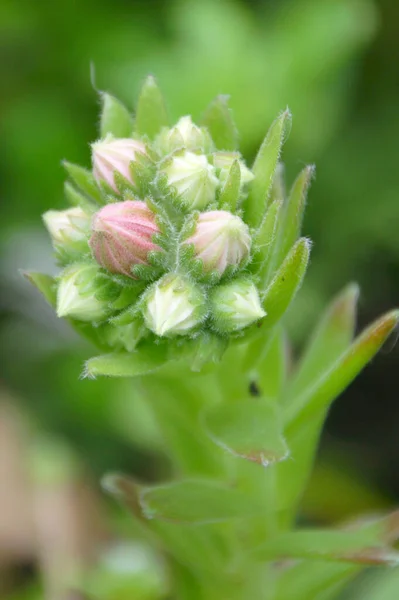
(220, 240)
(185, 134)
(122, 236)
(68, 228)
(224, 160)
(112, 156)
(235, 305)
(193, 178)
(74, 299)
(173, 306)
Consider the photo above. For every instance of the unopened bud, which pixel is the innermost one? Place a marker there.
(173, 306)
(193, 178)
(185, 134)
(235, 305)
(224, 160)
(112, 156)
(69, 228)
(75, 296)
(220, 240)
(122, 236)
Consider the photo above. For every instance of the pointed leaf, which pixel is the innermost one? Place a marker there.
(331, 338)
(196, 501)
(264, 169)
(123, 364)
(247, 429)
(75, 198)
(219, 121)
(45, 284)
(290, 224)
(230, 193)
(286, 282)
(151, 113)
(84, 180)
(265, 240)
(115, 118)
(333, 382)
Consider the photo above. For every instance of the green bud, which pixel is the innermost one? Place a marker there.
(73, 298)
(235, 305)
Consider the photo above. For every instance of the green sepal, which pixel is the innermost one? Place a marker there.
(220, 124)
(230, 194)
(122, 364)
(115, 119)
(75, 198)
(205, 350)
(264, 170)
(285, 284)
(264, 242)
(46, 284)
(249, 430)
(151, 113)
(194, 502)
(290, 224)
(84, 180)
(339, 375)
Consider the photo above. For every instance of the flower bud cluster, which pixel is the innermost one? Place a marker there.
(160, 220)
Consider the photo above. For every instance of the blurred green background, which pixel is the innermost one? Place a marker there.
(334, 63)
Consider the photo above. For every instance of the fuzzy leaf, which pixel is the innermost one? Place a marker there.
(75, 198)
(264, 169)
(230, 193)
(115, 118)
(286, 282)
(122, 364)
(247, 429)
(45, 284)
(84, 180)
(196, 501)
(332, 336)
(219, 121)
(333, 382)
(151, 112)
(265, 240)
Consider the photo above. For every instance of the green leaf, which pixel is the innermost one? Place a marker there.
(290, 224)
(230, 193)
(123, 364)
(45, 284)
(75, 198)
(115, 118)
(194, 502)
(332, 336)
(314, 580)
(84, 180)
(248, 429)
(264, 169)
(285, 284)
(151, 113)
(219, 121)
(333, 382)
(265, 239)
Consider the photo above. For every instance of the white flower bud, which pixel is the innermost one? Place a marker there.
(193, 178)
(73, 301)
(68, 228)
(235, 305)
(185, 134)
(224, 160)
(173, 306)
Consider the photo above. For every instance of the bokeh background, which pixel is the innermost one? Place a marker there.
(334, 63)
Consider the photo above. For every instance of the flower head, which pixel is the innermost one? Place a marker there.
(74, 299)
(122, 236)
(173, 306)
(235, 305)
(193, 178)
(220, 240)
(112, 156)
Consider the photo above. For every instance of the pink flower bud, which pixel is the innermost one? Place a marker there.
(115, 155)
(220, 239)
(122, 236)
